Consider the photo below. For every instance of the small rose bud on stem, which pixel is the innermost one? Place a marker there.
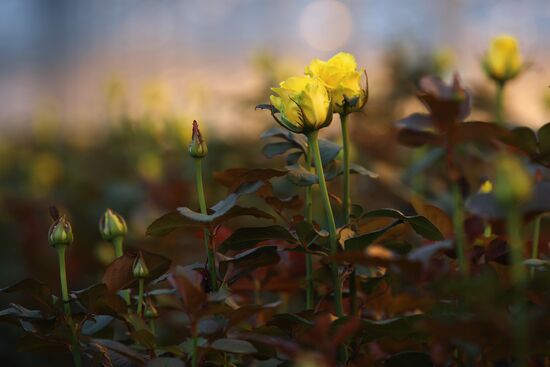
(140, 272)
(113, 228)
(199, 150)
(60, 236)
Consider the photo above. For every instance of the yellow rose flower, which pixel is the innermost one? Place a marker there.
(503, 60)
(341, 77)
(303, 103)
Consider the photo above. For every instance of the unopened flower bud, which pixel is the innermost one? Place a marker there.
(112, 225)
(151, 312)
(503, 60)
(140, 270)
(197, 148)
(60, 232)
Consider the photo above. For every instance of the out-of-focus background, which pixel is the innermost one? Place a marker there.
(97, 100)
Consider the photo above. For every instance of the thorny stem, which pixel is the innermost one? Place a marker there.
(119, 251)
(209, 251)
(66, 306)
(312, 138)
(309, 217)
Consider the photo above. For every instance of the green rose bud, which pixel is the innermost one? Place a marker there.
(151, 312)
(140, 270)
(60, 232)
(112, 225)
(197, 148)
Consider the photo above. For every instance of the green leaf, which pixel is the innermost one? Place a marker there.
(396, 328)
(363, 241)
(409, 359)
(245, 238)
(165, 362)
(235, 346)
(526, 140)
(38, 290)
(174, 220)
(250, 260)
(307, 233)
(544, 140)
(329, 151)
(420, 224)
(274, 149)
(96, 324)
(222, 207)
(298, 139)
(485, 205)
(300, 176)
(355, 168)
(120, 349)
(293, 158)
(145, 338)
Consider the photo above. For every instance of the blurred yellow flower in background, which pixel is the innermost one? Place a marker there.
(341, 77)
(45, 170)
(513, 184)
(149, 166)
(503, 60)
(304, 104)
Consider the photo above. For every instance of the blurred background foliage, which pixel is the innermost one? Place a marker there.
(97, 100)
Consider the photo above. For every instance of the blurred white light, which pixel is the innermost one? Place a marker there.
(326, 24)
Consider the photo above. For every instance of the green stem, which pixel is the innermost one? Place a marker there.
(140, 296)
(499, 103)
(347, 186)
(536, 240)
(119, 252)
(194, 351)
(458, 224)
(63, 279)
(75, 350)
(211, 264)
(347, 204)
(519, 281)
(312, 138)
(153, 327)
(310, 295)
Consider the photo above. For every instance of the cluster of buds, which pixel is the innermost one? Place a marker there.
(303, 104)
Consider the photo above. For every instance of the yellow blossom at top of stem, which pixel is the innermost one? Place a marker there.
(340, 76)
(503, 60)
(303, 103)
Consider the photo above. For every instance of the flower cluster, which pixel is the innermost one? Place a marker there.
(306, 103)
